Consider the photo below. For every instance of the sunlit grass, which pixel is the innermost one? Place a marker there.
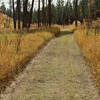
(70, 26)
(17, 48)
(90, 45)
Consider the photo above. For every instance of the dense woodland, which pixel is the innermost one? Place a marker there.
(47, 12)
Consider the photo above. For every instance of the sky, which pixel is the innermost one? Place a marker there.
(7, 5)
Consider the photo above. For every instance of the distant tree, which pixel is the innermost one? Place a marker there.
(43, 12)
(3, 7)
(76, 11)
(97, 4)
(54, 14)
(38, 13)
(68, 12)
(25, 13)
(46, 10)
(9, 13)
(18, 12)
(31, 12)
(14, 14)
(83, 8)
(49, 12)
(60, 11)
(35, 17)
(10, 8)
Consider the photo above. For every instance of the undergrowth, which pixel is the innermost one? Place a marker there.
(90, 45)
(16, 48)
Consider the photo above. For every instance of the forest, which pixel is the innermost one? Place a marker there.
(61, 13)
(54, 44)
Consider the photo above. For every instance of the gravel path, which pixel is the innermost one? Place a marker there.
(59, 72)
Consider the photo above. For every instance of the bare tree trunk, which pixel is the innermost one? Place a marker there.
(49, 12)
(38, 13)
(25, 15)
(76, 12)
(31, 12)
(43, 13)
(46, 12)
(14, 15)
(10, 6)
(83, 11)
(89, 7)
(98, 5)
(18, 12)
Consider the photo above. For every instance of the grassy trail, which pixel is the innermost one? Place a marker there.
(59, 72)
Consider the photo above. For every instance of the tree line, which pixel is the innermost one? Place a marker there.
(49, 13)
(70, 11)
(22, 12)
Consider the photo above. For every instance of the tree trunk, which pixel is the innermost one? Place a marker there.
(43, 13)
(49, 12)
(76, 12)
(31, 12)
(25, 14)
(83, 11)
(46, 12)
(18, 12)
(38, 13)
(10, 7)
(14, 15)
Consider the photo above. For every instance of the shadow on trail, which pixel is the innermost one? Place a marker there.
(65, 32)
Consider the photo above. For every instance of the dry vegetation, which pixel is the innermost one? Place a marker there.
(71, 26)
(17, 48)
(2, 20)
(91, 48)
(5, 21)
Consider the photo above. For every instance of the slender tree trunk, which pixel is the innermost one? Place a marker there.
(31, 12)
(38, 13)
(49, 12)
(43, 13)
(14, 15)
(18, 12)
(10, 6)
(83, 11)
(25, 14)
(46, 12)
(98, 5)
(89, 7)
(76, 12)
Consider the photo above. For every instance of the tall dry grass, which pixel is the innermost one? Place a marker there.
(90, 45)
(17, 48)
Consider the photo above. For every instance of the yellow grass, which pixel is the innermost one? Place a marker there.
(71, 26)
(16, 49)
(90, 45)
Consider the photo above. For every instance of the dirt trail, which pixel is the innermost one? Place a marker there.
(59, 72)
